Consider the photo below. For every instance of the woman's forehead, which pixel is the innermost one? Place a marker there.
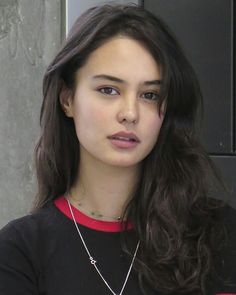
(122, 57)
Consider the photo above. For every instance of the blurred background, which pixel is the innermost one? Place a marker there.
(31, 32)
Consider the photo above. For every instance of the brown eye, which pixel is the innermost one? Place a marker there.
(108, 90)
(151, 96)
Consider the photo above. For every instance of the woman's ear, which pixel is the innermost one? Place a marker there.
(66, 101)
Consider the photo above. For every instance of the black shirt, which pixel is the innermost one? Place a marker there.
(42, 254)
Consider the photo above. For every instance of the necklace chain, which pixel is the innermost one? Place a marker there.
(98, 215)
(93, 261)
(92, 213)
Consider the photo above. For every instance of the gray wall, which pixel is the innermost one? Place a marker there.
(30, 35)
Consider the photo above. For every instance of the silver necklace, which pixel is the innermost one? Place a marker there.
(98, 215)
(92, 213)
(93, 261)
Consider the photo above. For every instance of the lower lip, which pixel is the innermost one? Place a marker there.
(123, 144)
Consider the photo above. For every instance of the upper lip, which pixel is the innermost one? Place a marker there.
(129, 135)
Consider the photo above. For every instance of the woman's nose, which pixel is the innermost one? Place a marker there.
(128, 112)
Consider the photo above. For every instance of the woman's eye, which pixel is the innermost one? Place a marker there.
(108, 90)
(151, 96)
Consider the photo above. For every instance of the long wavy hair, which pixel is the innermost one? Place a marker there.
(172, 213)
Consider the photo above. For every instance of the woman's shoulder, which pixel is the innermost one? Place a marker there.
(31, 224)
(24, 247)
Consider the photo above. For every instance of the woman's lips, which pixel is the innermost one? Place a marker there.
(124, 140)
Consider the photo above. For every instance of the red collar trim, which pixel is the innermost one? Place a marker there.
(81, 218)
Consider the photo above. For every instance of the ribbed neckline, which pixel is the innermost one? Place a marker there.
(85, 220)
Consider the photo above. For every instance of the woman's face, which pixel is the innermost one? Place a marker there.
(115, 103)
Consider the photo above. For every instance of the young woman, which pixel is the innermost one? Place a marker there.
(123, 202)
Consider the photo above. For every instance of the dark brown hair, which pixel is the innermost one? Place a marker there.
(172, 214)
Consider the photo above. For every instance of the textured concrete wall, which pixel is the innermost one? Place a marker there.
(30, 34)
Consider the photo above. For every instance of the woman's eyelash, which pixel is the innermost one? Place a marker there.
(149, 95)
(107, 90)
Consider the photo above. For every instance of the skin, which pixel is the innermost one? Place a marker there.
(100, 108)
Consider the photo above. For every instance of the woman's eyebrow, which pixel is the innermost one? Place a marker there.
(118, 80)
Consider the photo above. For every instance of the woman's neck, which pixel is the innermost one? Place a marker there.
(104, 189)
